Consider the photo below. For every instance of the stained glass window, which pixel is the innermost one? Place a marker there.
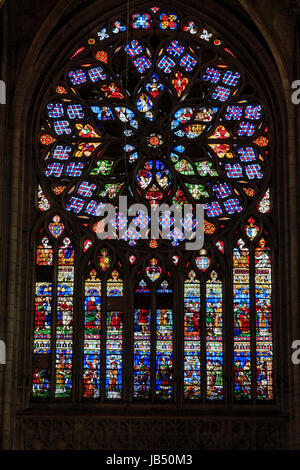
(242, 339)
(214, 337)
(192, 344)
(164, 342)
(64, 319)
(114, 341)
(263, 307)
(43, 318)
(92, 336)
(161, 109)
(153, 365)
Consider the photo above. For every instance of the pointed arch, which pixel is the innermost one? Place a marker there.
(272, 91)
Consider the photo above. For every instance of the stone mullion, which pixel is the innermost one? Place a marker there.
(54, 301)
(103, 341)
